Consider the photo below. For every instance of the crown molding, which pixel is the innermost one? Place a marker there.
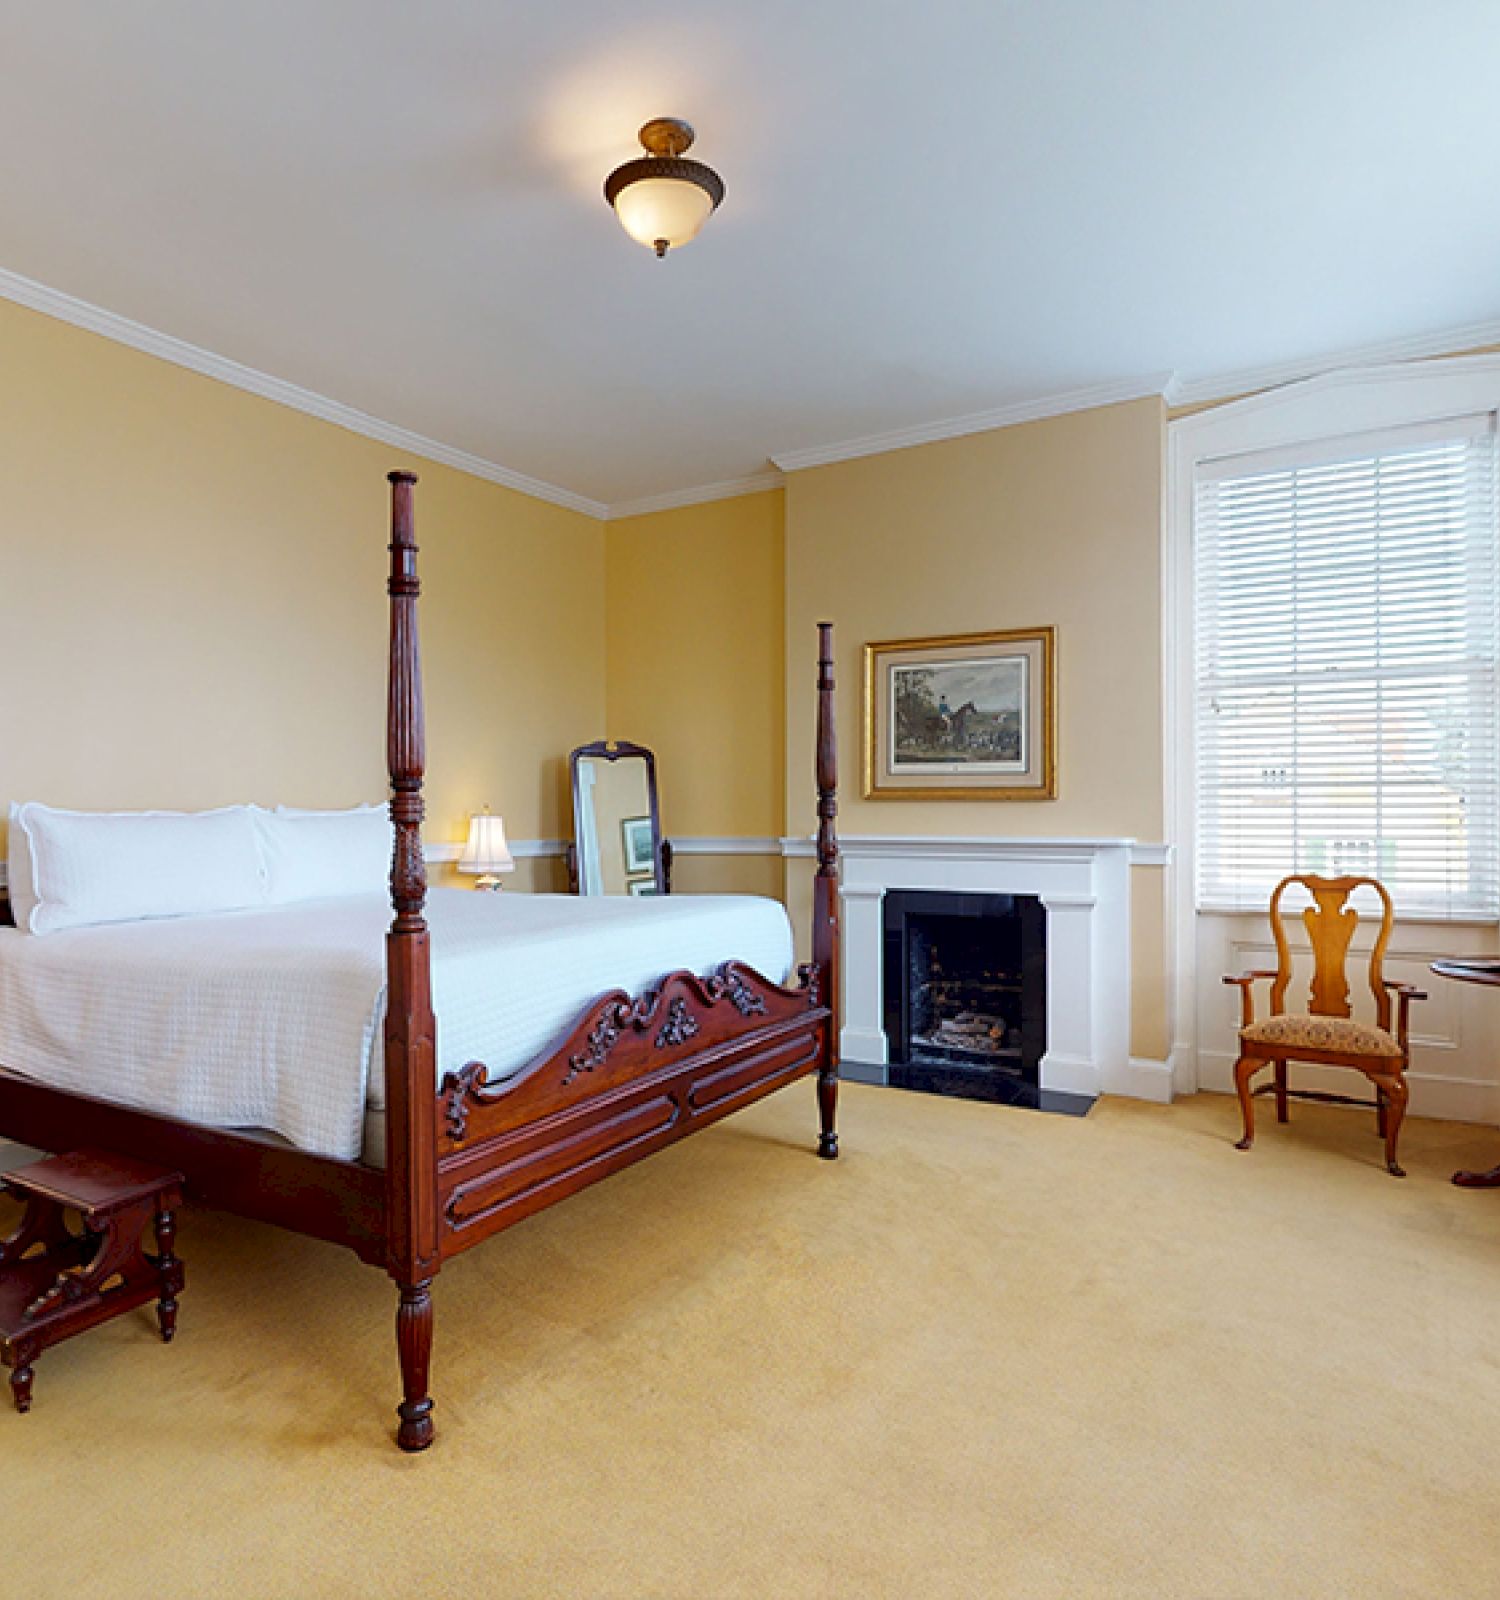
(1174, 390)
(1052, 405)
(1250, 380)
(1446, 372)
(150, 341)
(729, 489)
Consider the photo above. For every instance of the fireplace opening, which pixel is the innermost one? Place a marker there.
(966, 993)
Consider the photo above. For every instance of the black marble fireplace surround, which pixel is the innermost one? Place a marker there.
(966, 996)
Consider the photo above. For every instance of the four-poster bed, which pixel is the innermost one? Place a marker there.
(465, 1157)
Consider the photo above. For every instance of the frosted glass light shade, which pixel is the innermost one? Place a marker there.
(657, 211)
(486, 853)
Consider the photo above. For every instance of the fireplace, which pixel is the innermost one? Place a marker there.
(1084, 889)
(966, 993)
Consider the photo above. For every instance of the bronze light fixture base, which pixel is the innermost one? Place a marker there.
(667, 136)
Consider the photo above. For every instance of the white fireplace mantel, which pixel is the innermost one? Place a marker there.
(1084, 884)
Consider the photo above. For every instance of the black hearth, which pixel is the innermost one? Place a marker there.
(966, 996)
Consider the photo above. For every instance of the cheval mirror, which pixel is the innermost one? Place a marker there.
(617, 844)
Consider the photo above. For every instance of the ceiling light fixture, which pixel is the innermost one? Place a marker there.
(661, 199)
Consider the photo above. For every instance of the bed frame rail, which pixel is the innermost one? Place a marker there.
(249, 1174)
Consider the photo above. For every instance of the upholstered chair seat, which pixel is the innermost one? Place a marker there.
(1322, 1033)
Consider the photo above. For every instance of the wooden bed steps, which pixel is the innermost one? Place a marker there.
(56, 1282)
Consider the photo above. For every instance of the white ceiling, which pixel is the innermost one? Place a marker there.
(933, 210)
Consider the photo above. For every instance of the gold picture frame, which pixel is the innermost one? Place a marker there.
(964, 716)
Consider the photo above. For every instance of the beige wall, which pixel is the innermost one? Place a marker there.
(193, 609)
(1058, 522)
(192, 602)
(758, 874)
(695, 660)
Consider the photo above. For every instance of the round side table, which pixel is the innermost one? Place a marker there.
(1486, 970)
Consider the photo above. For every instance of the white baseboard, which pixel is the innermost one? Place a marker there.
(1138, 1080)
(1437, 1095)
(1141, 1079)
(860, 1044)
(1069, 1074)
(1183, 1060)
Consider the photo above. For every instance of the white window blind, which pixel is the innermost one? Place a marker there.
(1347, 706)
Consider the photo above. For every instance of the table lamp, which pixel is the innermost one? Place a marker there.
(486, 853)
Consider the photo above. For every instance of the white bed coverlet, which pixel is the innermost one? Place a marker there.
(273, 1018)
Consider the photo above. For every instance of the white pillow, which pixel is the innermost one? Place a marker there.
(317, 855)
(20, 880)
(91, 867)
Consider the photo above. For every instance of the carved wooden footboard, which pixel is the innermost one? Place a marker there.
(633, 1075)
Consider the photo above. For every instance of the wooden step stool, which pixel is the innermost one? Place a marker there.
(55, 1283)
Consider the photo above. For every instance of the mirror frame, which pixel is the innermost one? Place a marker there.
(616, 750)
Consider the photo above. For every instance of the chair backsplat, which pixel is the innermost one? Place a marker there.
(1330, 922)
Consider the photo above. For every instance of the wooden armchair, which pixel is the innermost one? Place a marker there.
(1327, 1034)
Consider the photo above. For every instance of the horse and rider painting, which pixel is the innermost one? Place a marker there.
(962, 711)
(969, 716)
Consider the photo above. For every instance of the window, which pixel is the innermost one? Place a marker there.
(1347, 709)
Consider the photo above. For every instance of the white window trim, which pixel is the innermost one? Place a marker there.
(1353, 401)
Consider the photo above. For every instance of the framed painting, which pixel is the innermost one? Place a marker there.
(969, 717)
(637, 840)
(641, 886)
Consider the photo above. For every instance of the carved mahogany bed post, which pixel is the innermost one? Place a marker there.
(413, 1253)
(825, 932)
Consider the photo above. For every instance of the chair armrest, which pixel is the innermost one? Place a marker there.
(1243, 982)
(1405, 993)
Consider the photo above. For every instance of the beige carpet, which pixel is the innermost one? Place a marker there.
(988, 1353)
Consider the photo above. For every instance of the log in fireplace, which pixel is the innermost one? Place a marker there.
(966, 993)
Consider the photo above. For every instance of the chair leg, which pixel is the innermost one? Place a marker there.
(1281, 1091)
(1244, 1070)
(1380, 1117)
(1395, 1093)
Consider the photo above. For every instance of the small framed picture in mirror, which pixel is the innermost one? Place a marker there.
(642, 886)
(636, 834)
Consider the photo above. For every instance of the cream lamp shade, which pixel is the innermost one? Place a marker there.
(486, 853)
